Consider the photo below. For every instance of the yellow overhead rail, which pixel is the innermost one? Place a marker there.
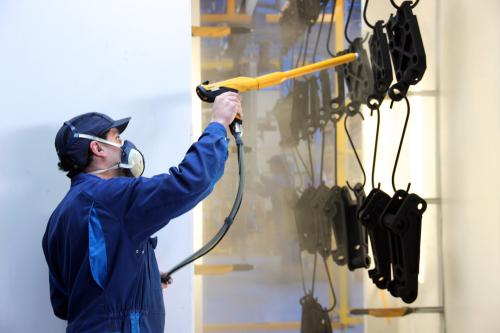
(230, 16)
(218, 32)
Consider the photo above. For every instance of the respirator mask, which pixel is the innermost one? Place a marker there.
(132, 160)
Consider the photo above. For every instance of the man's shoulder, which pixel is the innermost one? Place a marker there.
(94, 187)
(111, 194)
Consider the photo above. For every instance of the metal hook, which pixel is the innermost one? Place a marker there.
(366, 19)
(401, 144)
(364, 16)
(355, 152)
(332, 54)
(347, 25)
(376, 147)
(412, 6)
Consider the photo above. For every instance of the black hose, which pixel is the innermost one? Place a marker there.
(167, 277)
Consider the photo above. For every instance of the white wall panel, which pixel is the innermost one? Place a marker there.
(63, 58)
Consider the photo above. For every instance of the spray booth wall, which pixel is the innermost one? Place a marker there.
(470, 133)
(63, 58)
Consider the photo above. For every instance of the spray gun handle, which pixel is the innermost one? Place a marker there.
(236, 127)
(207, 95)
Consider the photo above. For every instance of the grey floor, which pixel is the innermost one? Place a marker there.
(268, 293)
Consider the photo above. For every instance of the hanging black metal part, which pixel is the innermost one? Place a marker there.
(369, 215)
(313, 226)
(322, 224)
(306, 117)
(358, 77)
(309, 10)
(338, 103)
(306, 227)
(350, 237)
(403, 218)
(315, 318)
(313, 109)
(283, 117)
(300, 110)
(326, 98)
(335, 210)
(381, 66)
(291, 26)
(357, 239)
(407, 50)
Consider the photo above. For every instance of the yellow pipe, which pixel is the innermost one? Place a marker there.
(243, 83)
(210, 32)
(218, 32)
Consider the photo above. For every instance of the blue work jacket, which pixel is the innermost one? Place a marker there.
(102, 267)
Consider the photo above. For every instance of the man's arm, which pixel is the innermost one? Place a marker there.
(153, 202)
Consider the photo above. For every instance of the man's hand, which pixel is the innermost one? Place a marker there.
(226, 107)
(165, 285)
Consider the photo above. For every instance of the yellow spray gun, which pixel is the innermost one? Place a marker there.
(207, 92)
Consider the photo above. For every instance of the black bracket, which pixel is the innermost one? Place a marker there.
(335, 210)
(313, 226)
(381, 66)
(283, 116)
(309, 10)
(315, 318)
(300, 109)
(358, 76)
(369, 214)
(357, 239)
(407, 50)
(322, 224)
(306, 117)
(350, 236)
(338, 103)
(305, 225)
(326, 98)
(313, 114)
(403, 218)
(291, 26)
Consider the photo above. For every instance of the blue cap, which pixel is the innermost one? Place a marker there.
(69, 145)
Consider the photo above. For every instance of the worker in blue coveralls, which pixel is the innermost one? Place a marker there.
(102, 268)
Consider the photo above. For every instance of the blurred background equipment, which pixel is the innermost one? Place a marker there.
(334, 220)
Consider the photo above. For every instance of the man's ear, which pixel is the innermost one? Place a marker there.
(96, 148)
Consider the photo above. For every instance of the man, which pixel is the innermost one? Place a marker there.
(102, 267)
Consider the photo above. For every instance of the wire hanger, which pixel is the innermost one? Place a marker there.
(366, 19)
(401, 145)
(347, 25)
(355, 151)
(374, 162)
(332, 54)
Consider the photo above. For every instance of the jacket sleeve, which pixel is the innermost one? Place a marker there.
(58, 299)
(153, 202)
